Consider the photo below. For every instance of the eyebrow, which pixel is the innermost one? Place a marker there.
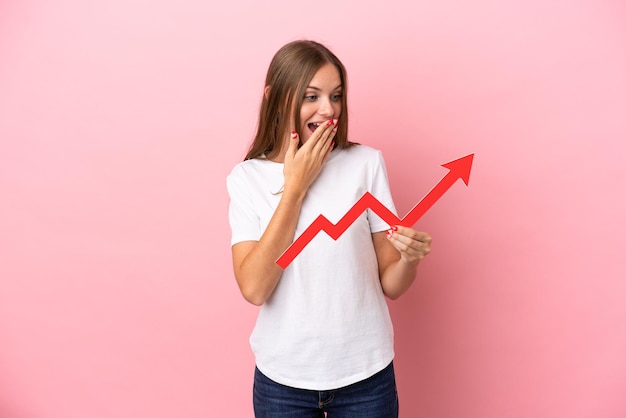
(319, 89)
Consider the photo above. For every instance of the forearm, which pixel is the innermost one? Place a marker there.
(398, 252)
(398, 277)
(257, 273)
(255, 262)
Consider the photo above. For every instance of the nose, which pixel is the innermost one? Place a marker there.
(326, 109)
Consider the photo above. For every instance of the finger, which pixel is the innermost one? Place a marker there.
(415, 241)
(408, 253)
(320, 136)
(326, 142)
(402, 242)
(294, 141)
(412, 233)
(329, 132)
(321, 143)
(330, 141)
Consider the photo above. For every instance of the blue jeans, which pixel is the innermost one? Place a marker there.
(374, 397)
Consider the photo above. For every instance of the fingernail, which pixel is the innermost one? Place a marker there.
(332, 144)
(394, 228)
(330, 122)
(294, 134)
(389, 233)
(335, 121)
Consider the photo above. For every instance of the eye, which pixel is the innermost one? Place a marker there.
(310, 98)
(336, 97)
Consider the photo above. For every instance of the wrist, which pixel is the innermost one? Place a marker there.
(293, 195)
(408, 264)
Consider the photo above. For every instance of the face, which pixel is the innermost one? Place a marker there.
(322, 100)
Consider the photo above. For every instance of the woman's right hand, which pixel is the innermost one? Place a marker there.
(303, 165)
(254, 262)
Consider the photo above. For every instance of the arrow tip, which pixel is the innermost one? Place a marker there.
(460, 168)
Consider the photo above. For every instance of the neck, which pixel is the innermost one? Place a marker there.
(278, 156)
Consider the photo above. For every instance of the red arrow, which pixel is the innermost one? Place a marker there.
(459, 169)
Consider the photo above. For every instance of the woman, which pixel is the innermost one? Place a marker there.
(323, 340)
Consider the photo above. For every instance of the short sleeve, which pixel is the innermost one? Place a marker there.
(380, 189)
(244, 220)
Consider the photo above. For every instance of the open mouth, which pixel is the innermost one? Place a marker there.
(313, 126)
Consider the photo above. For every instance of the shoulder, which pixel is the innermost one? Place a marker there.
(255, 167)
(363, 151)
(255, 174)
(243, 167)
(241, 174)
(364, 155)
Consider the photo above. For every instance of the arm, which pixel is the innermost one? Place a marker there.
(399, 251)
(254, 262)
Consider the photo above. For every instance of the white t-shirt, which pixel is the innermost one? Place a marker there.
(326, 325)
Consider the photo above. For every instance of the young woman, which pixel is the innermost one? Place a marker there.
(323, 340)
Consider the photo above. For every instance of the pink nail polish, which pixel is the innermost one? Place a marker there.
(332, 144)
(389, 233)
(330, 122)
(294, 134)
(394, 228)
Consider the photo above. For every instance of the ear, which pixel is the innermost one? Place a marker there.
(266, 92)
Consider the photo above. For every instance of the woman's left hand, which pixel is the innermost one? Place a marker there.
(412, 245)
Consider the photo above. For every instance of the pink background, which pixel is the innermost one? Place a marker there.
(119, 121)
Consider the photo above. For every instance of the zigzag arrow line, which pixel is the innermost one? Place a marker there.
(459, 169)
